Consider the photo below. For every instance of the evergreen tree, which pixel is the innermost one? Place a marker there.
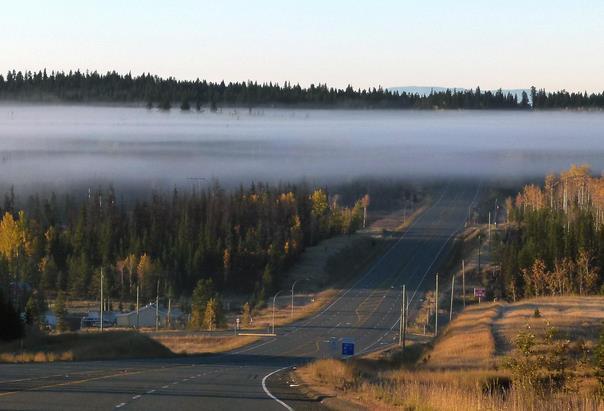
(165, 104)
(61, 313)
(246, 315)
(213, 316)
(203, 292)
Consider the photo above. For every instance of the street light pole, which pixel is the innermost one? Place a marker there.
(293, 285)
(274, 299)
(137, 304)
(102, 302)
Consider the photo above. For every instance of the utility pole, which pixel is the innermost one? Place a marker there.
(402, 317)
(405, 313)
(436, 308)
(137, 304)
(452, 295)
(102, 300)
(169, 312)
(274, 300)
(489, 228)
(157, 308)
(479, 246)
(463, 281)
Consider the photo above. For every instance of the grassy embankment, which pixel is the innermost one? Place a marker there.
(465, 370)
(323, 271)
(82, 346)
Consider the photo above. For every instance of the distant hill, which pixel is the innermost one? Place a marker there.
(425, 90)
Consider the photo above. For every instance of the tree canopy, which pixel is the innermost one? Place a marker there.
(165, 93)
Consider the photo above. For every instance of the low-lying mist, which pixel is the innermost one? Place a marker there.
(54, 147)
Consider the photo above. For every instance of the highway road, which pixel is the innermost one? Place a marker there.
(247, 378)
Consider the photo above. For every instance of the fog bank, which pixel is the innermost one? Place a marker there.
(57, 147)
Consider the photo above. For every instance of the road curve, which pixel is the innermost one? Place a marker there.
(367, 312)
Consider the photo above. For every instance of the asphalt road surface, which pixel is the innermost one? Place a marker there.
(252, 378)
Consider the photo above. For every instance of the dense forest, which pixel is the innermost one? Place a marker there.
(239, 241)
(154, 91)
(554, 244)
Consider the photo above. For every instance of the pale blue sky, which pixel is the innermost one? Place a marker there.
(548, 43)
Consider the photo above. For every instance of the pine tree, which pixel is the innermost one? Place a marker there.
(203, 292)
(246, 315)
(212, 315)
(32, 312)
(61, 313)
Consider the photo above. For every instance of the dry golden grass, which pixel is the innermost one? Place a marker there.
(468, 342)
(202, 344)
(575, 317)
(81, 346)
(18, 357)
(430, 390)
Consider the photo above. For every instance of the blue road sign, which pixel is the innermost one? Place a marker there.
(348, 348)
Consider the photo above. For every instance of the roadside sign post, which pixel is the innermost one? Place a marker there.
(333, 346)
(237, 325)
(480, 292)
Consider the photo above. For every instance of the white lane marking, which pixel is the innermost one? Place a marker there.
(175, 382)
(136, 397)
(164, 387)
(287, 407)
(120, 405)
(150, 391)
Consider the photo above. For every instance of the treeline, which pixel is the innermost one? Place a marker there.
(566, 100)
(241, 241)
(555, 241)
(154, 91)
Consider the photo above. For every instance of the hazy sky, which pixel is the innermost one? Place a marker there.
(548, 43)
